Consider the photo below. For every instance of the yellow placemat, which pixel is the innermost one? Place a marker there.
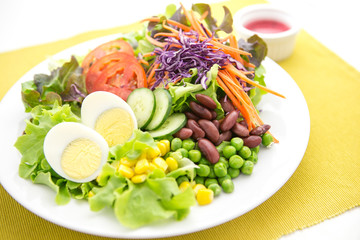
(325, 184)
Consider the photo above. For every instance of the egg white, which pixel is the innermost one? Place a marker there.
(64, 133)
(98, 102)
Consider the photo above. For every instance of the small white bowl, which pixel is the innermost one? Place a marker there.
(281, 44)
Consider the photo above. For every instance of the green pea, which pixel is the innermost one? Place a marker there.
(247, 168)
(199, 180)
(224, 161)
(228, 186)
(220, 169)
(195, 155)
(221, 179)
(221, 146)
(181, 179)
(233, 172)
(237, 143)
(215, 188)
(236, 161)
(245, 152)
(255, 149)
(183, 151)
(204, 161)
(176, 143)
(229, 151)
(212, 173)
(267, 139)
(210, 181)
(253, 157)
(203, 170)
(188, 144)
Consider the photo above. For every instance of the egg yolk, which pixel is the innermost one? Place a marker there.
(81, 158)
(115, 125)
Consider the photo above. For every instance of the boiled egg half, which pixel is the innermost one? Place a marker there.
(110, 116)
(75, 151)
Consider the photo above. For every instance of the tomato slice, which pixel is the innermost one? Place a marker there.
(105, 49)
(118, 72)
(105, 62)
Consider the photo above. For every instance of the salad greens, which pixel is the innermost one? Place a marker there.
(33, 163)
(135, 205)
(56, 98)
(65, 84)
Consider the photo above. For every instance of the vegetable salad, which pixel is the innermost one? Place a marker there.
(173, 107)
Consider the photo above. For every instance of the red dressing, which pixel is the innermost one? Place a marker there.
(267, 26)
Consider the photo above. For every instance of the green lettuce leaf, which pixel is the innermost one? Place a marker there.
(133, 148)
(256, 94)
(65, 84)
(183, 95)
(33, 164)
(152, 201)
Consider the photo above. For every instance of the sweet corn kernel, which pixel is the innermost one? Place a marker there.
(127, 162)
(152, 167)
(153, 153)
(139, 178)
(162, 148)
(167, 144)
(184, 185)
(197, 187)
(204, 196)
(172, 163)
(141, 166)
(160, 163)
(143, 155)
(126, 171)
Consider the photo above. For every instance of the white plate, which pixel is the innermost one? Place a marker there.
(290, 123)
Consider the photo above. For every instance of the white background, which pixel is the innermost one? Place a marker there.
(334, 23)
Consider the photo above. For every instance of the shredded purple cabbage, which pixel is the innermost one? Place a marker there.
(181, 55)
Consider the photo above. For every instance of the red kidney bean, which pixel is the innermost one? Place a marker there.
(244, 123)
(260, 130)
(206, 101)
(190, 115)
(229, 121)
(184, 133)
(240, 130)
(225, 136)
(197, 131)
(216, 123)
(200, 111)
(266, 127)
(213, 114)
(252, 141)
(208, 149)
(227, 105)
(211, 132)
(257, 131)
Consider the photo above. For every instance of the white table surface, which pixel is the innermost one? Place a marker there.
(334, 23)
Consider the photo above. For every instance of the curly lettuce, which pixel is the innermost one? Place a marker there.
(33, 164)
(65, 84)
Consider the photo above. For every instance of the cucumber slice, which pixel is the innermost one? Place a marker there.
(174, 123)
(142, 102)
(163, 107)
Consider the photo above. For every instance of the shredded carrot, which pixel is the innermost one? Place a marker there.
(204, 15)
(239, 74)
(229, 78)
(171, 22)
(152, 72)
(144, 62)
(154, 42)
(148, 54)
